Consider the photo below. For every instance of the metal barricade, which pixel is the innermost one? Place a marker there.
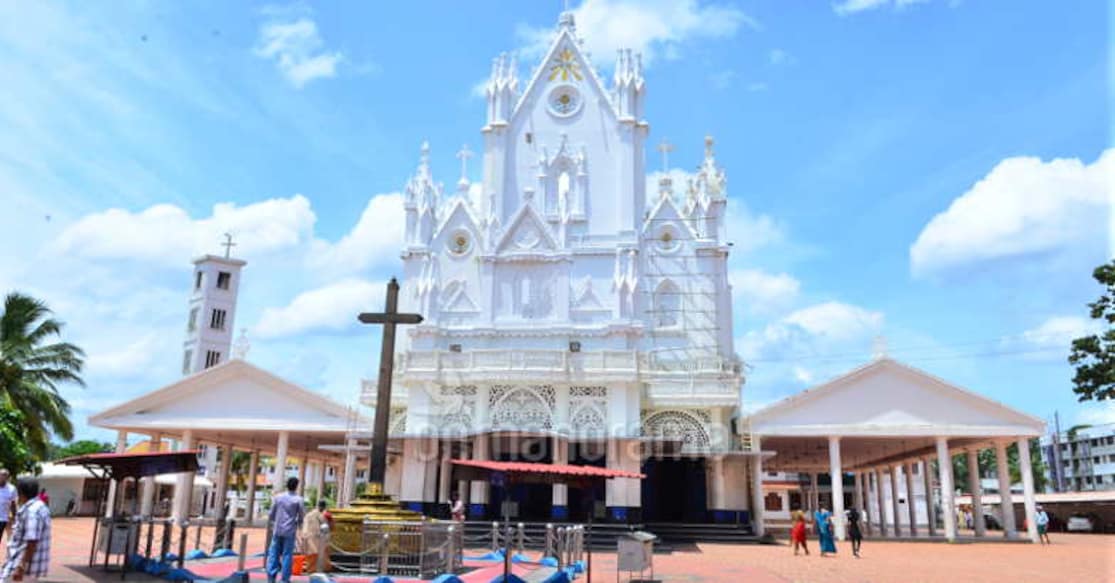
(411, 549)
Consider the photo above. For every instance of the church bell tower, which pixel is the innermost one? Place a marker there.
(212, 311)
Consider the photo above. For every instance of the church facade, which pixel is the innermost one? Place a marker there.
(572, 313)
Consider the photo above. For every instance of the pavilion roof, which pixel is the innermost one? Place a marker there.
(539, 472)
(117, 466)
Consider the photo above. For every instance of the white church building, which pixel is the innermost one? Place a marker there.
(575, 314)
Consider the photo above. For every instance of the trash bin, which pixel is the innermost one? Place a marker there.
(122, 539)
(635, 554)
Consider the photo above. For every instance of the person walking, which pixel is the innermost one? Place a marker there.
(8, 497)
(797, 533)
(317, 520)
(822, 519)
(456, 508)
(287, 514)
(1041, 519)
(29, 546)
(854, 533)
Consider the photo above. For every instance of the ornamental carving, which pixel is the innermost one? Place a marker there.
(588, 410)
(397, 421)
(686, 426)
(526, 408)
(455, 408)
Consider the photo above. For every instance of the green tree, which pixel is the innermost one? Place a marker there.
(240, 468)
(32, 367)
(79, 447)
(1094, 355)
(15, 456)
(989, 465)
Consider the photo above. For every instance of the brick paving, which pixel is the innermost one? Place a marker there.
(1072, 557)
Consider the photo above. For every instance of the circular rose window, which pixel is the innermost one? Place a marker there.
(565, 101)
(460, 243)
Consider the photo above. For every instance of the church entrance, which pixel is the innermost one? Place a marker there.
(530, 502)
(674, 490)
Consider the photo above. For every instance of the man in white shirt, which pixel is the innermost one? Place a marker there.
(7, 501)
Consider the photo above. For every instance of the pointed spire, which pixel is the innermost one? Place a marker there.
(463, 155)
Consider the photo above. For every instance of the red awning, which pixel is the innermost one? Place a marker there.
(117, 466)
(532, 472)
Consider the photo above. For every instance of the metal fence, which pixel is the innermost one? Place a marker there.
(409, 549)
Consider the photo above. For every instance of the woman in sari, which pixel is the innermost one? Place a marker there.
(823, 520)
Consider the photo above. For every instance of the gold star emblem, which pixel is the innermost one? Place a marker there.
(564, 66)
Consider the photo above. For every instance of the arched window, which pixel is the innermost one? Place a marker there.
(667, 304)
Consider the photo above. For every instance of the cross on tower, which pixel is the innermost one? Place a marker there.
(228, 245)
(463, 155)
(389, 317)
(665, 147)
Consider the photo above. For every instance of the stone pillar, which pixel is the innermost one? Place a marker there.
(463, 486)
(302, 473)
(911, 500)
(478, 491)
(348, 478)
(894, 505)
(944, 471)
(150, 488)
(1028, 489)
(861, 501)
(559, 511)
(976, 488)
(930, 515)
(121, 446)
(278, 480)
(1006, 502)
(814, 496)
(837, 475)
(880, 501)
(253, 477)
(757, 494)
(222, 479)
(183, 491)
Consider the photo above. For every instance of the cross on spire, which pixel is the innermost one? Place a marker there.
(463, 155)
(228, 245)
(665, 148)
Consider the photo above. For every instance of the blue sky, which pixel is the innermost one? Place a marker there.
(928, 171)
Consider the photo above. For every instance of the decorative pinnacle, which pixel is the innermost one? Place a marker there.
(665, 148)
(228, 245)
(708, 146)
(463, 155)
(424, 159)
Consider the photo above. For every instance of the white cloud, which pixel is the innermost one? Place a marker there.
(297, 50)
(757, 86)
(1023, 207)
(779, 57)
(377, 236)
(332, 308)
(165, 234)
(820, 329)
(836, 320)
(803, 376)
(1053, 337)
(759, 292)
(854, 6)
(655, 28)
(1096, 413)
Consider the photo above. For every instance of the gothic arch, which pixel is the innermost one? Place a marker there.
(666, 309)
(677, 424)
(528, 408)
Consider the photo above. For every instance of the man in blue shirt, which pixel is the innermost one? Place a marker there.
(287, 511)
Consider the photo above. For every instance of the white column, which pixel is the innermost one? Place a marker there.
(121, 446)
(814, 497)
(757, 494)
(561, 456)
(253, 477)
(445, 472)
(861, 501)
(881, 501)
(837, 478)
(184, 490)
(1028, 488)
(930, 515)
(222, 480)
(1006, 503)
(348, 478)
(976, 489)
(479, 490)
(147, 507)
(894, 506)
(911, 500)
(319, 479)
(944, 471)
(278, 480)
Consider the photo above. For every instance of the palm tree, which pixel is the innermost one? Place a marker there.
(32, 368)
(240, 467)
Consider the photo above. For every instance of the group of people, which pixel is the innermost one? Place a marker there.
(291, 525)
(822, 520)
(28, 515)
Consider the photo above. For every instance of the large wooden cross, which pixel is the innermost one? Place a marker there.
(390, 317)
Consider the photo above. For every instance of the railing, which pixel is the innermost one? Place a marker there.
(432, 361)
(410, 549)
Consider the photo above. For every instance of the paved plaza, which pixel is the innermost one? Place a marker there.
(1072, 557)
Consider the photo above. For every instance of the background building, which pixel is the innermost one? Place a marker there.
(1080, 460)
